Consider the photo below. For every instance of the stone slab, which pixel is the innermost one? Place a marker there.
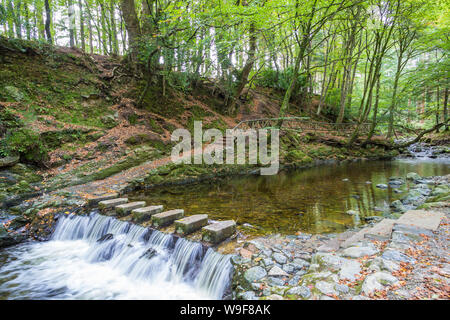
(218, 231)
(422, 219)
(145, 213)
(190, 224)
(166, 217)
(381, 229)
(126, 208)
(95, 200)
(107, 204)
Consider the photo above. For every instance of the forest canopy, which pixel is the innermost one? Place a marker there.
(382, 62)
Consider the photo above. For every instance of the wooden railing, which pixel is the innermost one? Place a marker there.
(303, 124)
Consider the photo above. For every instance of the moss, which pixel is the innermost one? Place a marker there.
(54, 139)
(154, 126)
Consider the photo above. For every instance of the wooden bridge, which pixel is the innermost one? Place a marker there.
(303, 124)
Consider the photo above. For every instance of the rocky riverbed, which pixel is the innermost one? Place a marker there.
(401, 256)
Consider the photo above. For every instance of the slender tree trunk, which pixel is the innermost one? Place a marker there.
(82, 36)
(287, 96)
(71, 15)
(245, 71)
(27, 21)
(375, 110)
(112, 14)
(48, 19)
(394, 97)
(445, 108)
(437, 107)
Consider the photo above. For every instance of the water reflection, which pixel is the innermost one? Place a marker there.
(313, 200)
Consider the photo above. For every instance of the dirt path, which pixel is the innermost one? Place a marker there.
(120, 180)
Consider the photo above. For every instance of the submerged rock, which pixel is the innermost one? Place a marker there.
(413, 176)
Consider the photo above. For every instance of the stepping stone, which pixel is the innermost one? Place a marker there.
(145, 214)
(124, 209)
(190, 224)
(95, 201)
(218, 231)
(167, 217)
(107, 204)
(422, 219)
(381, 229)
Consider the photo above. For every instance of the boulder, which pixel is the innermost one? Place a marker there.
(8, 161)
(413, 176)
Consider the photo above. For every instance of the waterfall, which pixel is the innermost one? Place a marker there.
(106, 256)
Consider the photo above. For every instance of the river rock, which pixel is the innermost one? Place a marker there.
(327, 260)
(397, 256)
(376, 281)
(276, 281)
(413, 176)
(268, 262)
(379, 264)
(350, 269)
(248, 295)
(8, 161)
(398, 206)
(325, 287)
(254, 274)
(277, 272)
(275, 297)
(342, 288)
(414, 197)
(279, 257)
(358, 252)
(301, 291)
(289, 268)
(352, 212)
(8, 239)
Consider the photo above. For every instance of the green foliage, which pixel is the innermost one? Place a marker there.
(25, 143)
(270, 78)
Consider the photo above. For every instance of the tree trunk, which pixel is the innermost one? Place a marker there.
(287, 96)
(394, 96)
(112, 14)
(47, 22)
(71, 14)
(132, 26)
(245, 71)
(445, 109)
(83, 43)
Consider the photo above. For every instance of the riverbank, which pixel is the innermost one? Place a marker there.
(402, 256)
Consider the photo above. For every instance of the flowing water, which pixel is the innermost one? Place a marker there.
(313, 200)
(99, 257)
